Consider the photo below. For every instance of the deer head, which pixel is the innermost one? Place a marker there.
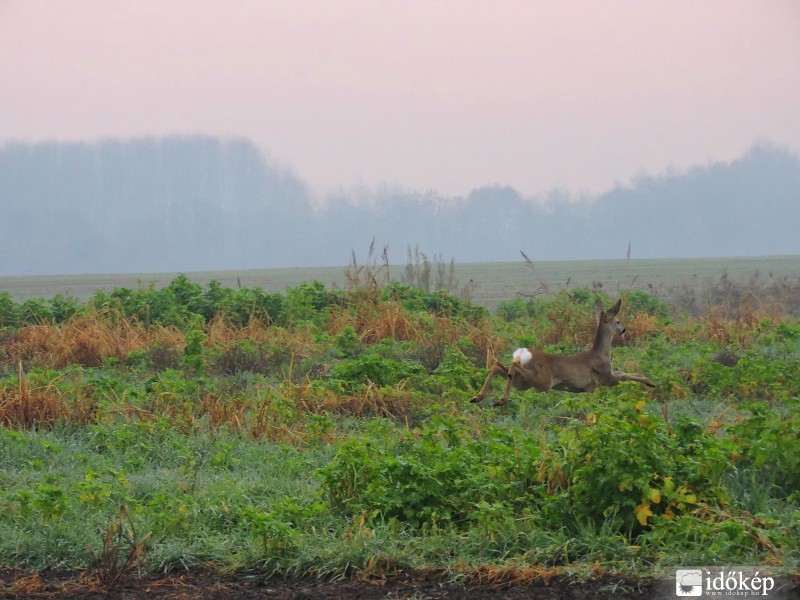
(608, 325)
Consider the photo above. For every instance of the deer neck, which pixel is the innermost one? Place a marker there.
(602, 339)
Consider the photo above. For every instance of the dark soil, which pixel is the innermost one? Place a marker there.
(244, 586)
(408, 586)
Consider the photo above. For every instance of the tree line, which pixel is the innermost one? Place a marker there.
(183, 203)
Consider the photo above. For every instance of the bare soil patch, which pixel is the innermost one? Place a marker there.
(406, 586)
(209, 585)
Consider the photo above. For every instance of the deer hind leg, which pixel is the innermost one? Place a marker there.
(497, 369)
(620, 376)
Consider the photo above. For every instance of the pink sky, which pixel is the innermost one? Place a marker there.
(428, 95)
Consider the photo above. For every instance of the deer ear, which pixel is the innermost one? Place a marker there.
(612, 312)
(598, 306)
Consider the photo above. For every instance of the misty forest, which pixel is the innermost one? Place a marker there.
(185, 203)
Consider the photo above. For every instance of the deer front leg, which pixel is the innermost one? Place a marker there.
(507, 390)
(497, 369)
(620, 376)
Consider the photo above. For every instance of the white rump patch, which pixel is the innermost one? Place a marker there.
(522, 356)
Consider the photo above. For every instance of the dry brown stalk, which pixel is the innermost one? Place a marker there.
(87, 339)
(510, 575)
(122, 552)
(26, 408)
(641, 326)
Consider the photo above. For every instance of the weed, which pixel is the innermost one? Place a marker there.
(123, 550)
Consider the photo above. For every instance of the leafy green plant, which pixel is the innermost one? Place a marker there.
(193, 359)
(36, 311)
(641, 301)
(347, 342)
(139, 359)
(436, 479)
(9, 311)
(769, 442)
(457, 371)
(275, 533)
(242, 305)
(626, 462)
(372, 368)
(47, 500)
(305, 303)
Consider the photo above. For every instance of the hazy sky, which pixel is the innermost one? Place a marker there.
(439, 94)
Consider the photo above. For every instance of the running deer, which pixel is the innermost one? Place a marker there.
(581, 372)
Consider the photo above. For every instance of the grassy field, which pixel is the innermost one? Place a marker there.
(494, 282)
(329, 434)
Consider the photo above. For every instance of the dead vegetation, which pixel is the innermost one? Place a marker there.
(88, 340)
(775, 296)
(294, 358)
(30, 408)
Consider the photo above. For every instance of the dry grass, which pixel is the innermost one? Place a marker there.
(221, 331)
(27, 408)
(640, 327)
(568, 325)
(86, 340)
(736, 329)
(280, 413)
(122, 552)
(374, 320)
(270, 348)
(30, 345)
(720, 327)
(392, 403)
(777, 296)
(510, 575)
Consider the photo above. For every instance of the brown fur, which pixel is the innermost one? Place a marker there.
(581, 372)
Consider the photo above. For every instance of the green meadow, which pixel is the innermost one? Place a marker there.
(315, 423)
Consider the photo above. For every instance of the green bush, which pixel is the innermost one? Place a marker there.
(355, 372)
(442, 476)
(36, 311)
(769, 442)
(640, 301)
(626, 464)
(347, 343)
(306, 303)
(241, 305)
(9, 311)
(193, 359)
(439, 302)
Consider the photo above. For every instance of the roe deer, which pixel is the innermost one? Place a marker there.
(581, 372)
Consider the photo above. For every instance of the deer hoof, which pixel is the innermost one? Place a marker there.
(476, 399)
(499, 403)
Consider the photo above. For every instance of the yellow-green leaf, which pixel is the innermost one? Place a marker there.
(643, 512)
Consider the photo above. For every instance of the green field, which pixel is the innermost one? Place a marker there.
(292, 430)
(494, 282)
